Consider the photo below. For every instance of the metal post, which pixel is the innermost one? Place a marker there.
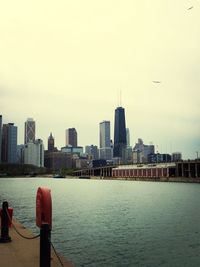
(189, 170)
(45, 245)
(4, 224)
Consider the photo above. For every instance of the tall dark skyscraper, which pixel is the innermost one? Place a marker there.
(119, 133)
(71, 137)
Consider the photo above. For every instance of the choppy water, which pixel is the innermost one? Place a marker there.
(115, 223)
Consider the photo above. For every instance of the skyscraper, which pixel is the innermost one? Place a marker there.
(104, 134)
(176, 156)
(129, 152)
(51, 143)
(29, 131)
(127, 137)
(141, 151)
(71, 137)
(119, 133)
(0, 135)
(104, 140)
(9, 143)
(92, 151)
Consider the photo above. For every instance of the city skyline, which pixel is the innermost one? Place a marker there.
(64, 64)
(51, 138)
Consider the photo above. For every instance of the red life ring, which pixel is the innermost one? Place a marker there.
(43, 207)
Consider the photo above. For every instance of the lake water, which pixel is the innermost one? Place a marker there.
(115, 223)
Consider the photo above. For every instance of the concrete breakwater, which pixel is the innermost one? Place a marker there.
(25, 253)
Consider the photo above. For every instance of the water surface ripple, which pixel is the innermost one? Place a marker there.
(115, 223)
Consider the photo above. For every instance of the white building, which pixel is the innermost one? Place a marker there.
(127, 137)
(105, 150)
(104, 134)
(129, 149)
(141, 152)
(34, 153)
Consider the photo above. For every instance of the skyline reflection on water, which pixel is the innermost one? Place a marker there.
(115, 223)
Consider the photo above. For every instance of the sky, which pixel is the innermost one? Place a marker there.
(63, 63)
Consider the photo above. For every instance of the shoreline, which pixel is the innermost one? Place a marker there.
(145, 179)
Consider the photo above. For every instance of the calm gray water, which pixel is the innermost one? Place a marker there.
(115, 223)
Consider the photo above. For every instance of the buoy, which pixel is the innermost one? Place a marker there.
(43, 207)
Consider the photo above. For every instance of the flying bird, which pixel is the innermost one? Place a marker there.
(156, 82)
(190, 8)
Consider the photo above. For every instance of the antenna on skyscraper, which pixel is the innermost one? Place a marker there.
(120, 98)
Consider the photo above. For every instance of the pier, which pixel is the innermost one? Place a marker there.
(25, 253)
(104, 171)
(185, 170)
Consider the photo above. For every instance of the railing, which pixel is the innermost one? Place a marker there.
(43, 210)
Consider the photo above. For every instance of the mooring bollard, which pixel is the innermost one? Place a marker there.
(45, 245)
(44, 222)
(5, 223)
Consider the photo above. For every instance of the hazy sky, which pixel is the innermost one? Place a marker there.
(64, 62)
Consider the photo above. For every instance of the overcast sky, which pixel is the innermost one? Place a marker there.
(63, 63)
